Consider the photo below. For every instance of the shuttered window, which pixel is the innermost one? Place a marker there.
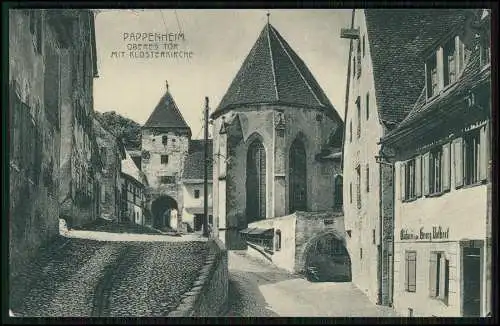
(402, 185)
(418, 176)
(435, 171)
(471, 147)
(458, 162)
(425, 173)
(411, 271)
(439, 276)
(446, 167)
(484, 151)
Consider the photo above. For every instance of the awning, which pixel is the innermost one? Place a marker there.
(256, 231)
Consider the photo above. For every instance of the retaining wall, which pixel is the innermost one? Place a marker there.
(209, 294)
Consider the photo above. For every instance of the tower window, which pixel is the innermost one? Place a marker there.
(164, 140)
(164, 159)
(197, 193)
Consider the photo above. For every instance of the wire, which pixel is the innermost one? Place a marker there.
(178, 23)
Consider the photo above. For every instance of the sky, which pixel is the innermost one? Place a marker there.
(219, 40)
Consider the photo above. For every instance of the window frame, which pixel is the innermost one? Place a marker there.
(196, 193)
(441, 291)
(164, 159)
(429, 69)
(449, 51)
(411, 288)
(435, 172)
(471, 142)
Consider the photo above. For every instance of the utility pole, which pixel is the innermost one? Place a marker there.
(205, 165)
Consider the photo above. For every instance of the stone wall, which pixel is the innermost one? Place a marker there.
(311, 225)
(209, 294)
(34, 142)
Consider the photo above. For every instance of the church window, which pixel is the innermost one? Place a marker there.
(256, 181)
(298, 177)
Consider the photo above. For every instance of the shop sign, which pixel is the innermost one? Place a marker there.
(437, 232)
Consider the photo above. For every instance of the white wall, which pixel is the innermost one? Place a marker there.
(191, 202)
(362, 151)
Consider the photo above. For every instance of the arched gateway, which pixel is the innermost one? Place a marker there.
(161, 209)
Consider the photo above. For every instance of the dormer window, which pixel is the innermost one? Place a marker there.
(449, 64)
(485, 51)
(432, 76)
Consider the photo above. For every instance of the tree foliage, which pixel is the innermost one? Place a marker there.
(125, 129)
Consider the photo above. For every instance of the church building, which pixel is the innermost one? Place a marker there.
(270, 130)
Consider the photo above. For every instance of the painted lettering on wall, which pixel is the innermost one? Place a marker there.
(437, 232)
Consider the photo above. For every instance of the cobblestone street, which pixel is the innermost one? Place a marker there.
(85, 277)
(258, 289)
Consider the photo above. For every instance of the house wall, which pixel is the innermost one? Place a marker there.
(77, 180)
(190, 202)
(247, 124)
(34, 144)
(365, 221)
(462, 211)
(132, 205)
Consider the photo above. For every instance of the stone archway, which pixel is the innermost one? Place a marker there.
(160, 210)
(326, 259)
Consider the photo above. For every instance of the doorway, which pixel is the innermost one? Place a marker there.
(198, 222)
(471, 279)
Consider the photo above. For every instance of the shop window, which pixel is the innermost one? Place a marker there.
(164, 159)
(439, 276)
(411, 271)
(449, 64)
(278, 240)
(196, 193)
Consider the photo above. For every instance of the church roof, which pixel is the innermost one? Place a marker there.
(273, 73)
(166, 115)
(396, 39)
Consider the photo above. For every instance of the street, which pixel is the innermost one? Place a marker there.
(120, 275)
(259, 289)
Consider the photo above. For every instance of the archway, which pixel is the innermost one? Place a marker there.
(297, 177)
(256, 182)
(160, 209)
(327, 259)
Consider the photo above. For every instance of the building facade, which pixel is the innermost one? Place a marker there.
(35, 99)
(133, 184)
(383, 70)
(111, 152)
(192, 185)
(78, 191)
(268, 131)
(442, 173)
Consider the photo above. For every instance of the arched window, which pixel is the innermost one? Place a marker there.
(278, 240)
(256, 182)
(297, 177)
(338, 192)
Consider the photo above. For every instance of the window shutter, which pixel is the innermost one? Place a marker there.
(484, 156)
(402, 190)
(407, 266)
(458, 162)
(442, 277)
(432, 275)
(425, 174)
(418, 176)
(446, 167)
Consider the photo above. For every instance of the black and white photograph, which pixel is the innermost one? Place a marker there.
(248, 162)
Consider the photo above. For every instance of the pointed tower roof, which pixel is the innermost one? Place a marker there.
(166, 115)
(273, 73)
